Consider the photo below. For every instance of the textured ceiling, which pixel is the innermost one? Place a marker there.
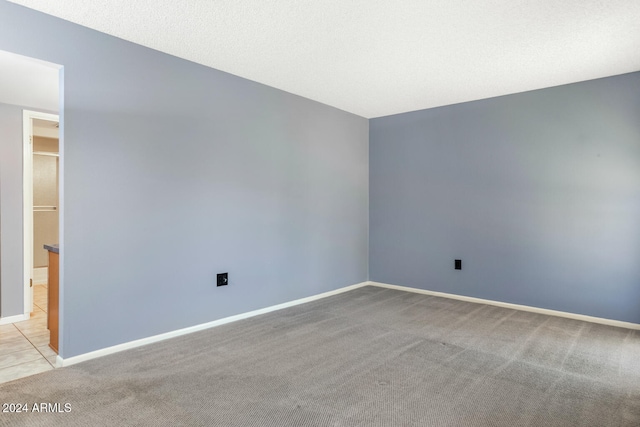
(381, 57)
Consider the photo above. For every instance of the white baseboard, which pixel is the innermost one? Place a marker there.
(14, 319)
(592, 319)
(40, 275)
(161, 337)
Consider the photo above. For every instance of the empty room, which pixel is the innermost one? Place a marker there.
(413, 213)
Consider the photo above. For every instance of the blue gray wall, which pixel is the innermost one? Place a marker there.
(174, 172)
(11, 244)
(538, 193)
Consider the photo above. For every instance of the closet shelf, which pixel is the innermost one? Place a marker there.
(45, 153)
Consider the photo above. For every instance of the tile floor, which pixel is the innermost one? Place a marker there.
(24, 346)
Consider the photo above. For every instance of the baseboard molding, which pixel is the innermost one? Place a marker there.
(40, 275)
(592, 319)
(161, 337)
(14, 319)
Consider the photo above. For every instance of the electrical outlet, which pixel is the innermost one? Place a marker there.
(458, 264)
(223, 279)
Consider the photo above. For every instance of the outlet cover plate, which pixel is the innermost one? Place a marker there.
(223, 279)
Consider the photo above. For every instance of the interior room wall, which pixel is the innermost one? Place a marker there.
(537, 193)
(173, 172)
(11, 244)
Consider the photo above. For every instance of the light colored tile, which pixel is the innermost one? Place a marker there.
(39, 341)
(36, 328)
(32, 324)
(37, 333)
(43, 308)
(37, 323)
(47, 351)
(8, 339)
(29, 323)
(37, 314)
(18, 357)
(33, 329)
(34, 321)
(34, 332)
(9, 334)
(15, 344)
(7, 328)
(52, 359)
(24, 370)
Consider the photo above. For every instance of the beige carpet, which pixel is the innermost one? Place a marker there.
(369, 357)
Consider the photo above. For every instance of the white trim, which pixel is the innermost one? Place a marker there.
(14, 319)
(592, 319)
(27, 210)
(161, 337)
(40, 275)
(27, 197)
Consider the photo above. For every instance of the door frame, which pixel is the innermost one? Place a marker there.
(27, 197)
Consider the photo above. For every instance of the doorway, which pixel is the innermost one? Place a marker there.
(41, 195)
(25, 84)
(30, 97)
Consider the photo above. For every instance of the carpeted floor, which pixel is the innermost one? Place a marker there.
(368, 357)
